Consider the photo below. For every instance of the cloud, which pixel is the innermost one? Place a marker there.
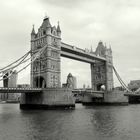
(63, 3)
(134, 70)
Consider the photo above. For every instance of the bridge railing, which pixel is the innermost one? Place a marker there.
(16, 88)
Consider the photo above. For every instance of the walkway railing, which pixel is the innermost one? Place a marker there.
(19, 90)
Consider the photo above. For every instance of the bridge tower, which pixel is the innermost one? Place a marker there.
(45, 70)
(102, 72)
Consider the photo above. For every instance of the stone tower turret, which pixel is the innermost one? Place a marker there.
(102, 72)
(45, 71)
(33, 33)
(58, 30)
(109, 69)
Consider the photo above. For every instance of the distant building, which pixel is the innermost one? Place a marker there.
(134, 85)
(23, 85)
(71, 82)
(9, 80)
(64, 85)
(86, 87)
(119, 88)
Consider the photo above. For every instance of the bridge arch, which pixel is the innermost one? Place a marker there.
(40, 82)
(100, 87)
(5, 81)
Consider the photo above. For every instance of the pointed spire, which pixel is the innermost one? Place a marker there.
(46, 17)
(58, 27)
(110, 48)
(46, 22)
(33, 30)
(100, 42)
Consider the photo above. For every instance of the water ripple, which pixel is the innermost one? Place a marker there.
(83, 123)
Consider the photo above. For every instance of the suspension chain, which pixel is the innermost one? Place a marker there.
(23, 60)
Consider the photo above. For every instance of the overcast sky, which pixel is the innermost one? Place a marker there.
(83, 23)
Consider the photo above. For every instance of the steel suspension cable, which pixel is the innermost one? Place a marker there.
(14, 62)
(11, 68)
(36, 56)
(137, 90)
(23, 61)
(121, 81)
(15, 66)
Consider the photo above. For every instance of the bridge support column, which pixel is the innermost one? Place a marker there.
(109, 75)
(98, 76)
(102, 71)
(115, 97)
(50, 98)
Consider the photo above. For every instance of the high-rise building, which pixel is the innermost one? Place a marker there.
(9, 80)
(71, 82)
(134, 85)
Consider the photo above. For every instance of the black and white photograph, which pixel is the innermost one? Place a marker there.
(69, 70)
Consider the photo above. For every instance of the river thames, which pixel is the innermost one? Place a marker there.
(83, 123)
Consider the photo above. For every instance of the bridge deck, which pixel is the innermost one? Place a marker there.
(92, 93)
(132, 95)
(20, 90)
(96, 94)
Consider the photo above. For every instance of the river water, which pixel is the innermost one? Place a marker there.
(83, 123)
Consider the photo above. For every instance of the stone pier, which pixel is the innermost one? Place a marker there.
(49, 98)
(114, 97)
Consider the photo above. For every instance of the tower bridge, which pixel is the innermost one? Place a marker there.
(46, 68)
(46, 51)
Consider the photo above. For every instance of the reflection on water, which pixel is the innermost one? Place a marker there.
(83, 123)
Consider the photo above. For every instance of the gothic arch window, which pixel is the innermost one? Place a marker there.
(96, 77)
(98, 69)
(44, 32)
(54, 40)
(54, 32)
(40, 82)
(52, 66)
(100, 87)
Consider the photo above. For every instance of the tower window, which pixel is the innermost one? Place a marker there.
(44, 32)
(52, 66)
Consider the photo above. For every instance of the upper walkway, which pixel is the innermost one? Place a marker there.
(73, 52)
